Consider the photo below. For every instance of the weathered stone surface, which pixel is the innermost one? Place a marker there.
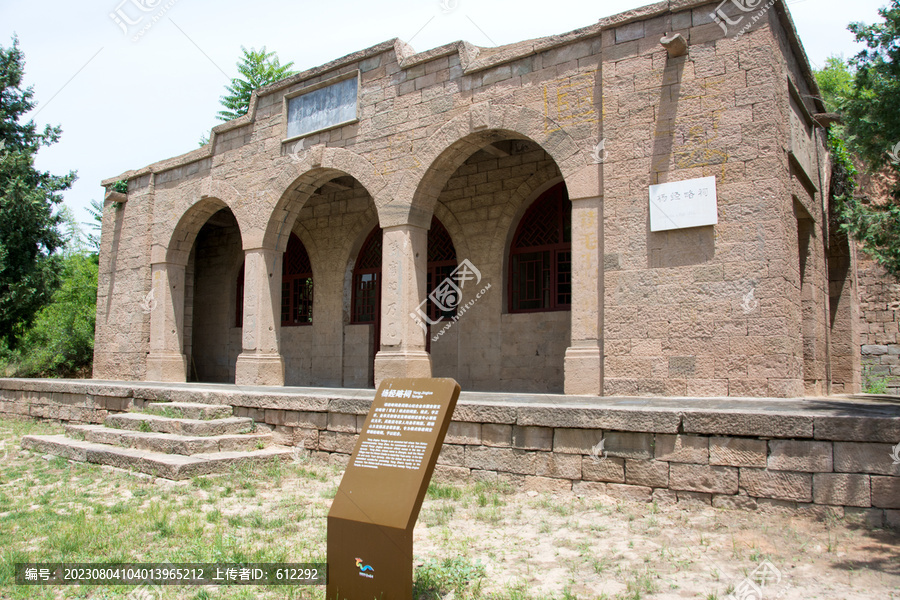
(777, 485)
(694, 498)
(842, 489)
(664, 497)
(648, 473)
(340, 422)
(852, 457)
(480, 413)
(892, 519)
(336, 441)
(748, 424)
(662, 421)
(576, 441)
(450, 474)
(532, 438)
(682, 448)
(306, 438)
(588, 488)
(793, 455)
(189, 410)
(562, 466)
(547, 484)
(629, 445)
(463, 433)
(493, 434)
(606, 469)
(858, 429)
(507, 460)
(735, 502)
(133, 421)
(885, 492)
(702, 478)
(871, 518)
(306, 419)
(452, 454)
(737, 452)
(629, 492)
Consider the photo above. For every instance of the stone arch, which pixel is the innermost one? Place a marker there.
(463, 135)
(178, 249)
(309, 244)
(453, 227)
(521, 201)
(306, 172)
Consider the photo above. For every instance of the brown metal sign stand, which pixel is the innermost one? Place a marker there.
(371, 521)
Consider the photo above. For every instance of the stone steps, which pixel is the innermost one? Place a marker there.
(193, 427)
(174, 440)
(169, 466)
(189, 410)
(169, 443)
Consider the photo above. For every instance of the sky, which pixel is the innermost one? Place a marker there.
(130, 95)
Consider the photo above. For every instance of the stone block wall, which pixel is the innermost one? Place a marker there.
(122, 333)
(471, 136)
(815, 459)
(879, 311)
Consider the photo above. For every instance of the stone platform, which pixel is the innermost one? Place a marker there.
(834, 453)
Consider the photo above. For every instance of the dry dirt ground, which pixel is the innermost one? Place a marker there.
(530, 545)
(595, 546)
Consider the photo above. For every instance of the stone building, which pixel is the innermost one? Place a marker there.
(638, 207)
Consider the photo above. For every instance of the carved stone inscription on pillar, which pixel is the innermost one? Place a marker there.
(371, 520)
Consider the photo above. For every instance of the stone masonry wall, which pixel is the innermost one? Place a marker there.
(742, 458)
(472, 136)
(879, 311)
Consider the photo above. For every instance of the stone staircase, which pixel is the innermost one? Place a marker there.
(173, 440)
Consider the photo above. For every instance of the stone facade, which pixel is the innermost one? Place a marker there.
(760, 304)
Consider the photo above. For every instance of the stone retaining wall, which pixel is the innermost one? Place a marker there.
(747, 454)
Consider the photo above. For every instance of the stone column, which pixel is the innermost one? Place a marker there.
(584, 358)
(404, 261)
(260, 362)
(166, 360)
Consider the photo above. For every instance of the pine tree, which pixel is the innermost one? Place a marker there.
(29, 232)
(257, 68)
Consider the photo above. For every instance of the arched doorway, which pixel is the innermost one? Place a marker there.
(212, 338)
(366, 295)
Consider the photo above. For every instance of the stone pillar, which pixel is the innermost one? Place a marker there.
(584, 358)
(260, 362)
(166, 360)
(404, 261)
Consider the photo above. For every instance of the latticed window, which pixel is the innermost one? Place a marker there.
(367, 281)
(296, 285)
(441, 262)
(540, 259)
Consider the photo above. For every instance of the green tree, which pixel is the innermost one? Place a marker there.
(866, 91)
(60, 341)
(93, 235)
(835, 82)
(29, 232)
(872, 108)
(257, 68)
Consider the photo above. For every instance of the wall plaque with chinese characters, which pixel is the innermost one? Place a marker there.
(683, 204)
(371, 520)
(322, 108)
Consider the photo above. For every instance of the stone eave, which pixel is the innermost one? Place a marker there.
(472, 60)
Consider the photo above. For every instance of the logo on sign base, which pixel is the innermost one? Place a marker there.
(363, 568)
